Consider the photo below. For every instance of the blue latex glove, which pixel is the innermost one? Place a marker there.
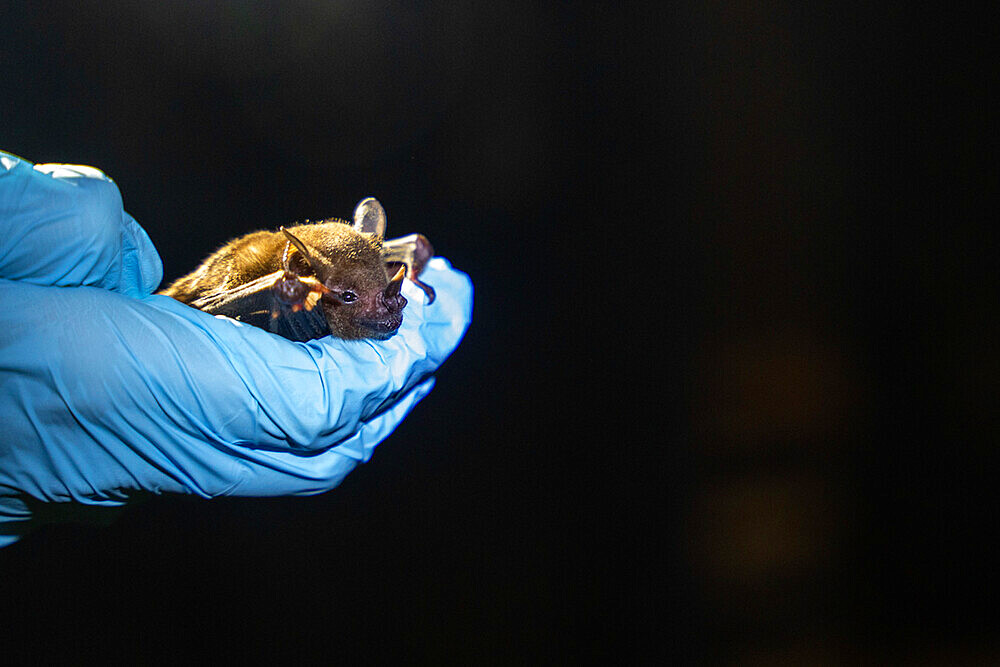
(107, 389)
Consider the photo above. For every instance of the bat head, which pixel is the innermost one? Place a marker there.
(363, 301)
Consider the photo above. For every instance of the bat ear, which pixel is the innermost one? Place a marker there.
(301, 247)
(369, 217)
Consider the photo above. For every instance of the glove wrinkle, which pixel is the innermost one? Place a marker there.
(110, 391)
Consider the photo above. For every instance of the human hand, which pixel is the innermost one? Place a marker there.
(108, 389)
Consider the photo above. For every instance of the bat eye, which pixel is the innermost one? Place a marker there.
(348, 297)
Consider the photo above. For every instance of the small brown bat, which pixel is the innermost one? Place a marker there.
(275, 280)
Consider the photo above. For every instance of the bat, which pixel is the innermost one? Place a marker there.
(307, 281)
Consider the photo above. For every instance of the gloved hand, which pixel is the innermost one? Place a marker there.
(107, 389)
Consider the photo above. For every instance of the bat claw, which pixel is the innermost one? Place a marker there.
(428, 290)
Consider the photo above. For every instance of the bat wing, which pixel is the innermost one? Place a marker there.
(280, 302)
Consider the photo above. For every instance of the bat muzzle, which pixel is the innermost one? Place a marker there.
(385, 327)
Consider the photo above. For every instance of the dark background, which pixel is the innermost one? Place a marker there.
(729, 391)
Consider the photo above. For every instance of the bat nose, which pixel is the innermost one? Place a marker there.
(394, 304)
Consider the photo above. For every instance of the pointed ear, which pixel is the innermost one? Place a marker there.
(369, 217)
(303, 249)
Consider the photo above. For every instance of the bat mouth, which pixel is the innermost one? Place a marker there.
(383, 329)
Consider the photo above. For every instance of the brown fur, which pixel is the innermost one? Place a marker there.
(342, 259)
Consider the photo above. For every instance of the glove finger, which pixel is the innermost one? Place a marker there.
(64, 225)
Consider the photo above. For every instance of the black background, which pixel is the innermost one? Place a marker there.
(729, 390)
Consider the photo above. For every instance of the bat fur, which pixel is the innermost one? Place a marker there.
(346, 269)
